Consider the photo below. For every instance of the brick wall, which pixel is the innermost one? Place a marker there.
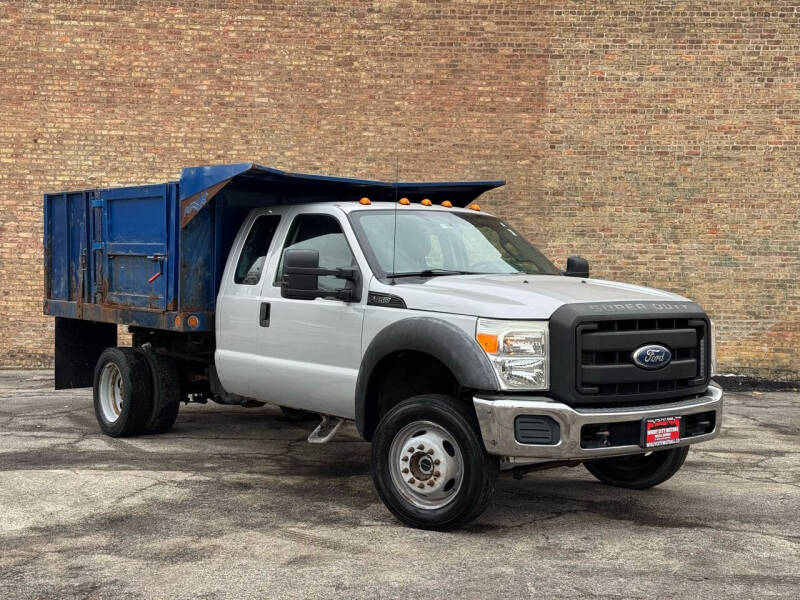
(659, 140)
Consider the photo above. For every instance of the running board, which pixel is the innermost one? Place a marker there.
(326, 429)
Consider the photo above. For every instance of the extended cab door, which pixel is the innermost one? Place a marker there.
(298, 353)
(240, 300)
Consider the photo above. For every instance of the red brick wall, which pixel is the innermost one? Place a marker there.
(659, 140)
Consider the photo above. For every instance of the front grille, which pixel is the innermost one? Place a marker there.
(606, 369)
(592, 344)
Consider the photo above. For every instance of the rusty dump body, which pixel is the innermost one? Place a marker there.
(152, 256)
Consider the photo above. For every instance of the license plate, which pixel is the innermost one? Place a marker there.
(661, 431)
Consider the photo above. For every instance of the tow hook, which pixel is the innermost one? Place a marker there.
(603, 436)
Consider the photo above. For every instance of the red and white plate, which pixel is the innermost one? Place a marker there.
(661, 431)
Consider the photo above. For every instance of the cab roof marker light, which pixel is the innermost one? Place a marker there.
(426, 202)
(404, 201)
(447, 204)
(365, 201)
(474, 206)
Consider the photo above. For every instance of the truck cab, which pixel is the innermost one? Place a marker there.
(455, 346)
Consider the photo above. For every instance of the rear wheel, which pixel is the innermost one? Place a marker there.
(638, 471)
(429, 464)
(122, 392)
(166, 391)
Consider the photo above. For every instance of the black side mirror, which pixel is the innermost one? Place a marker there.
(577, 266)
(298, 282)
(301, 273)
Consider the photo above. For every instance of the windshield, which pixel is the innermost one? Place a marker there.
(445, 243)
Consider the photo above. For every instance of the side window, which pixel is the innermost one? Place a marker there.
(254, 252)
(323, 234)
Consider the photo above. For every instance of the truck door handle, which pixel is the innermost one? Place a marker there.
(263, 315)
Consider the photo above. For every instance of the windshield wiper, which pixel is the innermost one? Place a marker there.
(431, 273)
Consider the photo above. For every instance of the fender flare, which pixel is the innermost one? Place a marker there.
(446, 342)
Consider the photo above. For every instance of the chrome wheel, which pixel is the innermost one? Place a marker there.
(426, 465)
(110, 391)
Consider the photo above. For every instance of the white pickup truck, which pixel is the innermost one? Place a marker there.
(455, 346)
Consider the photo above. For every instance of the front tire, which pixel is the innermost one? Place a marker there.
(638, 471)
(123, 393)
(429, 464)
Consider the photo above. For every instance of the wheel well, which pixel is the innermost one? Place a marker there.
(401, 375)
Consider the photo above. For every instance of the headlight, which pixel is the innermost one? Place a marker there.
(518, 351)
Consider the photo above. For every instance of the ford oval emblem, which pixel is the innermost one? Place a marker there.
(652, 356)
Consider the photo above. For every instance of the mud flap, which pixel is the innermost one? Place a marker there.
(78, 346)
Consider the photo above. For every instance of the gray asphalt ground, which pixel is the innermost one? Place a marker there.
(235, 504)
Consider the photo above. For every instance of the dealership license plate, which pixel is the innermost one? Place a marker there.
(661, 431)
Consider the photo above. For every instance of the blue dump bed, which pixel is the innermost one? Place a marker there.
(153, 255)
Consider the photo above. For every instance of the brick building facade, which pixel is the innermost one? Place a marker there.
(658, 139)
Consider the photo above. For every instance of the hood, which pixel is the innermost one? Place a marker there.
(513, 296)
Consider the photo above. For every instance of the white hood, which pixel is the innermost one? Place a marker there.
(512, 296)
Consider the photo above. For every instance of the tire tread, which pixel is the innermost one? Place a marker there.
(166, 391)
(672, 460)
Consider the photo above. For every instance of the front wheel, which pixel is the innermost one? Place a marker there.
(429, 465)
(638, 471)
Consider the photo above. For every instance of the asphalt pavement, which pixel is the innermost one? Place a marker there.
(233, 503)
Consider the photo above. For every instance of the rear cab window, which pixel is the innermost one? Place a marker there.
(255, 249)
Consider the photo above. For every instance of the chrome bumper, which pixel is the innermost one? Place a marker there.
(496, 418)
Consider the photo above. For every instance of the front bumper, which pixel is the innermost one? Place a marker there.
(497, 415)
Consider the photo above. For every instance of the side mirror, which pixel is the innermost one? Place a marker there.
(577, 266)
(301, 273)
(298, 283)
